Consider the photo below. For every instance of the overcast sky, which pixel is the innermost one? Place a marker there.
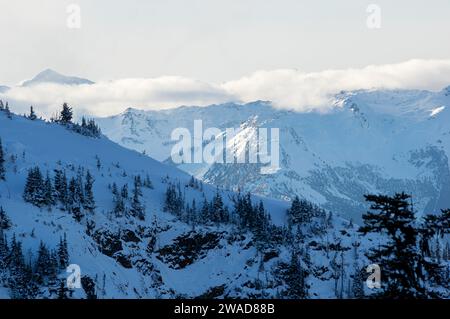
(214, 40)
(153, 54)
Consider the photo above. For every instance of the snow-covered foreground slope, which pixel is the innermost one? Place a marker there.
(372, 141)
(161, 256)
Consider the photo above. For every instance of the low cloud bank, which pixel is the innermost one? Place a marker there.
(287, 89)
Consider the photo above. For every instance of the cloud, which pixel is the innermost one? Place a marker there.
(109, 98)
(289, 89)
(313, 91)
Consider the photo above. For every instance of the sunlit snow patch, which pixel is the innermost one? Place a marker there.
(437, 110)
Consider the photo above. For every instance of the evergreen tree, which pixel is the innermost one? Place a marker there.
(66, 114)
(218, 209)
(2, 162)
(75, 198)
(402, 264)
(43, 267)
(119, 205)
(49, 192)
(359, 275)
(60, 182)
(5, 221)
(174, 202)
(63, 253)
(16, 258)
(7, 110)
(89, 201)
(261, 227)
(4, 254)
(124, 191)
(137, 208)
(342, 277)
(147, 182)
(32, 115)
(63, 291)
(296, 279)
(21, 280)
(88, 286)
(53, 268)
(437, 227)
(205, 212)
(153, 236)
(93, 128)
(34, 192)
(192, 216)
(114, 190)
(243, 211)
(301, 212)
(98, 162)
(446, 253)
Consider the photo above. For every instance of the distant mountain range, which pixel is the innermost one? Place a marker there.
(374, 141)
(50, 76)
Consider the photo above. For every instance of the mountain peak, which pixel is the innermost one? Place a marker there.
(48, 72)
(51, 76)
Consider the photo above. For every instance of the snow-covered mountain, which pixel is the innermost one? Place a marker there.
(158, 255)
(50, 76)
(138, 228)
(372, 141)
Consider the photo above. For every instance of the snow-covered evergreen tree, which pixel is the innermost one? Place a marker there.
(5, 221)
(32, 116)
(301, 212)
(43, 267)
(219, 214)
(60, 182)
(34, 192)
(137, 208)
(297, 287)
(402, 264)
(63, 253)
(49, 192)
(66, 114)
(89, 201)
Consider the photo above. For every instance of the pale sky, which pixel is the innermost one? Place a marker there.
(214, 40)
(152, 54)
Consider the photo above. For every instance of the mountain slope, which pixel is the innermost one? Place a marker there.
(137, 228)
(113, 251)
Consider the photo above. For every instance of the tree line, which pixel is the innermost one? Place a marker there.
(87, 127)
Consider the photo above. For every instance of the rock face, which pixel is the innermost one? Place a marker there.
(108, 243)
(371, 142)
(188, 248)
